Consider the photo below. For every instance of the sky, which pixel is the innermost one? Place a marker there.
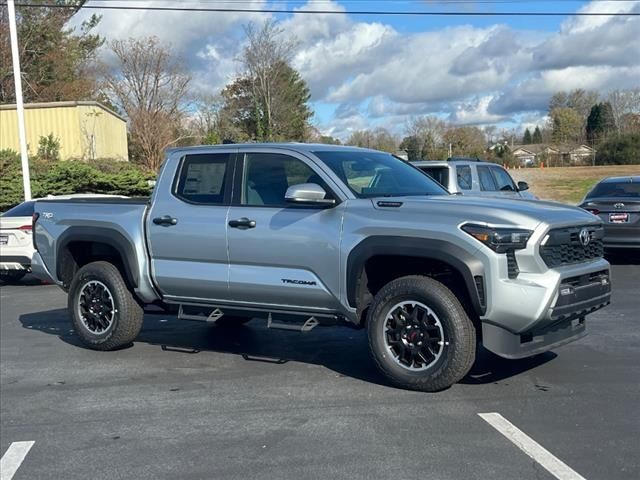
(368, 71)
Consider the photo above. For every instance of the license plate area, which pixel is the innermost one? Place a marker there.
(618, 217)
(4, 239)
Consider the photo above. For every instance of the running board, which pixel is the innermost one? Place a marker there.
(307, 326)
(199, 314)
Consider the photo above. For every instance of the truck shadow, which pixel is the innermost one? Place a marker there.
(340, 349)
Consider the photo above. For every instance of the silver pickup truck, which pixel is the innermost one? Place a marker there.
(306, 235)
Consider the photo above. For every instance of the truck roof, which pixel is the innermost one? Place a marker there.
(301, 147)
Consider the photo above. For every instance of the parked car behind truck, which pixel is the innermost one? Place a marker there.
(616, 201)
(307, 235)
(472, 176)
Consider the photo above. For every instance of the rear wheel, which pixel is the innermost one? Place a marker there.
(420, 335)
(12, 276)
(103, 311)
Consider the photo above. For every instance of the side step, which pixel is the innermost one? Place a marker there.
(307, 326)
(199, 314)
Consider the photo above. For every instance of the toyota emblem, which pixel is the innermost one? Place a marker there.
(585, 237)
(618, 205)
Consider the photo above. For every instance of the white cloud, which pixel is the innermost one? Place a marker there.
(380, 74)
(475, 112)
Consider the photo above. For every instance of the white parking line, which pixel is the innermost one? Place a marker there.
(13, 458)
(552, 464)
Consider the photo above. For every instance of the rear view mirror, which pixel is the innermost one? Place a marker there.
(308, 194)
(522, 186)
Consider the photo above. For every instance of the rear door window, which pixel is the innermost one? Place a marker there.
(487, 182)
(202, 178)
(463, 175)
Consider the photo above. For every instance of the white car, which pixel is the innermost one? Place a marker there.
(16, 242)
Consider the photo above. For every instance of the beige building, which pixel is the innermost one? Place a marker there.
(554, 155)
(86, 130)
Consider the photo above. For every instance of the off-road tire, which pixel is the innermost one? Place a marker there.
(458, 354)
(127, 320)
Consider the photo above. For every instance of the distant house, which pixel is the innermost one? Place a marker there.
(555, 155)
(86, 130)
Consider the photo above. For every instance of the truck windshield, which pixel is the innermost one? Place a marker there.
(378, 174)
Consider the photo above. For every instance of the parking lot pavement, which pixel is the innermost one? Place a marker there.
(190, 400)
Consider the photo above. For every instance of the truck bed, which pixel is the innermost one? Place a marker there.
(77, 225)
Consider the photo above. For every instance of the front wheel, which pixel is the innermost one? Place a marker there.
(103, 311)
(420, 335)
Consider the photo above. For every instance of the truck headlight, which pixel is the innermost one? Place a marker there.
(499, 240)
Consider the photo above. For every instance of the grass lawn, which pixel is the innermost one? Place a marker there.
(568, 184)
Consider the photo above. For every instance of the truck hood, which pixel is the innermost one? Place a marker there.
(494, 211)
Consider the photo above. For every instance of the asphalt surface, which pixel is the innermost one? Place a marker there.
(194, 401)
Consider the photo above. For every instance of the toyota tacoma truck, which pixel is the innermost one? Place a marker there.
(305, 235)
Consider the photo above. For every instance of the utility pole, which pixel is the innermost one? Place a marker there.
(13, 32)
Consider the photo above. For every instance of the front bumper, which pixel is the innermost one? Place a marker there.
(567, 296)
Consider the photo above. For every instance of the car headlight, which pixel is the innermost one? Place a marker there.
(499, 240)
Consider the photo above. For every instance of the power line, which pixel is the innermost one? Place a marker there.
(329, 12)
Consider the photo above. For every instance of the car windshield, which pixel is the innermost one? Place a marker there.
(377, 174)
(23, 210)
(616, 189)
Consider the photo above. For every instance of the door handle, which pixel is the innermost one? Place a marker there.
(166, 221)
(242, 223)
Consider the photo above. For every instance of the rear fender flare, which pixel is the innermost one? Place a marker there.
(105, 236)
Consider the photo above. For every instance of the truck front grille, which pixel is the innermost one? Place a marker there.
(564, 247)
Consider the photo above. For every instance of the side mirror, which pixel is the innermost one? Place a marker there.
(308, 194)
(522, 186)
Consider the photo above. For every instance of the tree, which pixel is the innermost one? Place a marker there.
(429, 131)
(625, 105)
(149, 85)
(526, 138)
(271, 97)
(378, 139)
(566, 125)
(537, 136)
(244, 116)
(329, 140)
(412, 146)
(466, 141)
(600, 123)
(620, 150)
(579, 100)
(57, 62)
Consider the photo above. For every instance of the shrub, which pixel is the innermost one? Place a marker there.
(49, 148)
(68, 177)
(620, 150)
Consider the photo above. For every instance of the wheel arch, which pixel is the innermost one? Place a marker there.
(410, 256)
(80, 245)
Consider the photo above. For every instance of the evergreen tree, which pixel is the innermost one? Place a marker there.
(526, 139)
(537, 135)
(600, 123)
(411, 145)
